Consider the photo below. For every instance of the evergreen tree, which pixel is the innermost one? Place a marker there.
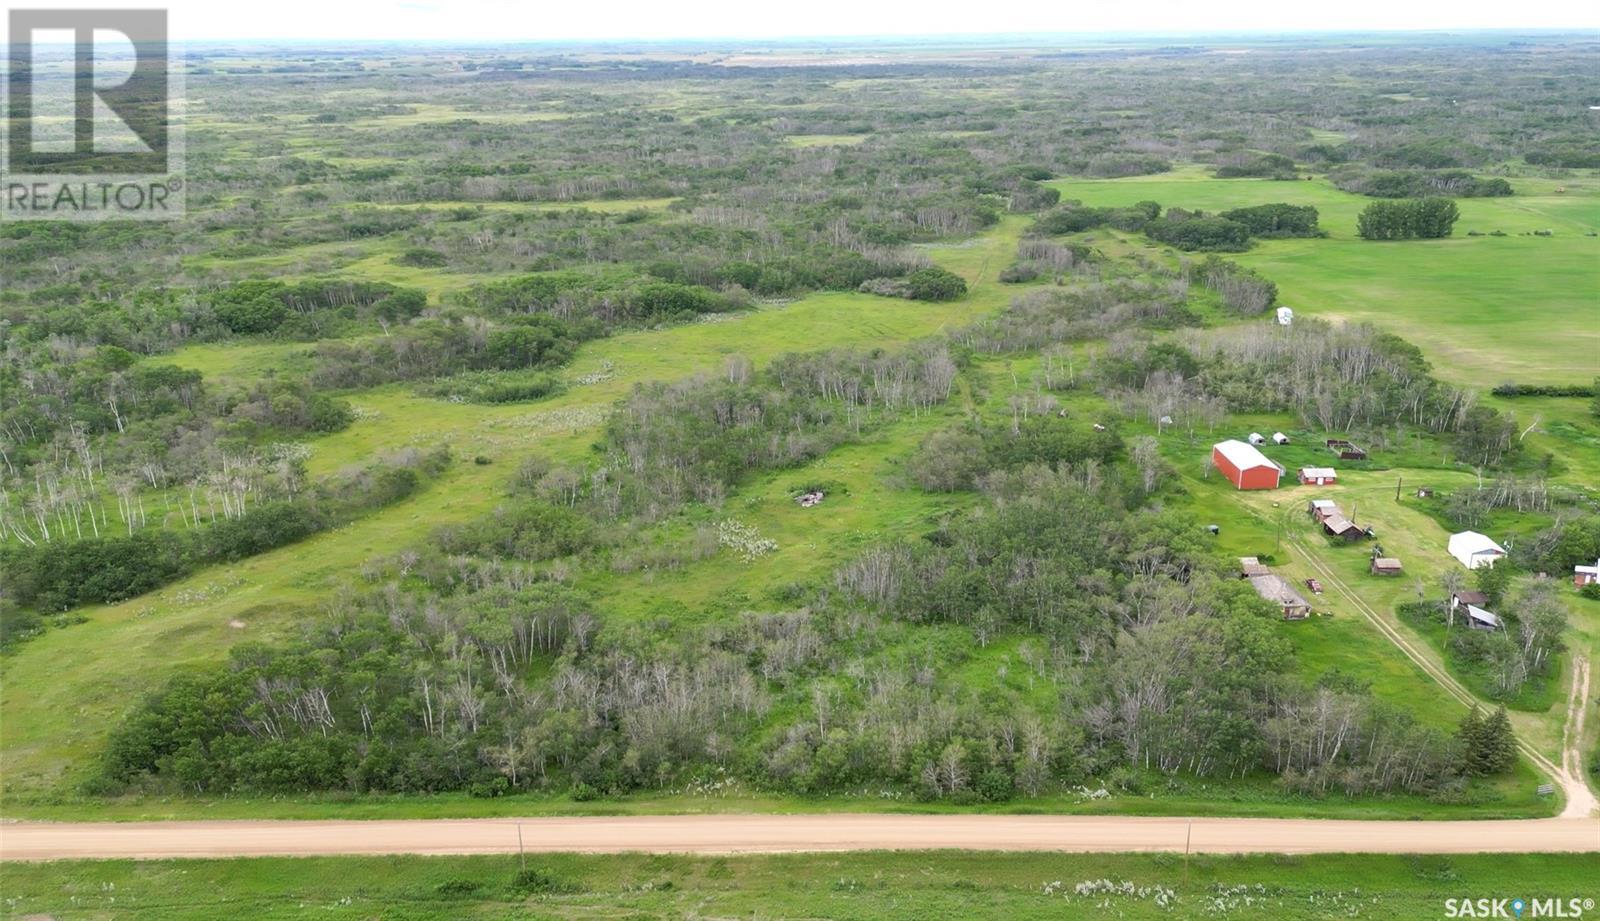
(1499, 745)
(1487, 743)
(1470, 734)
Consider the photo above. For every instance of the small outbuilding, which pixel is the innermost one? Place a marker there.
(1250, 567)
(1475, 550)
(1256, 438)
(1319, 509)
(1276, 590)
(1244, 466)
(1318, 476)
(1279, 438)
(1337, 525)
(1386, 566)
(1479, 619)
(1586, 575)
(1457, 599)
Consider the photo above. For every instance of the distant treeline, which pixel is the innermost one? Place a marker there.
(1192, 231)
(1419, 184)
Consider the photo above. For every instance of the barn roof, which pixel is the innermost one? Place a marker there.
(1482, 616)
(1244, 456)
(1471, 597)
(1274, 588)
(1326, 473)
(1339, 524)
(1469, 543)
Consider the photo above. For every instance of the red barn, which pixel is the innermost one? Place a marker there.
(1244, 466)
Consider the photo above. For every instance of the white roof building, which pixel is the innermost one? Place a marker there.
(1245, 456)
(1475, 550)
(1256, 438)
(1486, 620)
(1279, 438)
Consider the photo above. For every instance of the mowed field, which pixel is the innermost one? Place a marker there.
(1485, 310)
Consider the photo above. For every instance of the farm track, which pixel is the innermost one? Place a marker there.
(1580, 800)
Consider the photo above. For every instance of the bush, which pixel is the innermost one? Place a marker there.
(1200, 233)
(538, 881)
(1422, 218)
(1277, 220)
(935, 284)
(1263, 166)
(422, 258)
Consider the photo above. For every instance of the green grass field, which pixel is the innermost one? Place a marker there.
(1485, 310)
(65, 690)
(860, 886)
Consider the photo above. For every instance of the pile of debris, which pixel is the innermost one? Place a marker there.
(808, 499)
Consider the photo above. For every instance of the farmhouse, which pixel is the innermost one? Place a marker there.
(1319, 509)
(1474, 550)
(1337, 525)
(1279, 592)
(1250, 567)
(1318, 476)
(1244, 466)
(1386, 566)
(1479, 619)
(1586, 575)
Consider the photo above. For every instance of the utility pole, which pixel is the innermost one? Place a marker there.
(1187, 838)
(1397, 481)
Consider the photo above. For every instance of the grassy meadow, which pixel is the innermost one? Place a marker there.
(861, 886)
(1485, 310)
(1480, 307)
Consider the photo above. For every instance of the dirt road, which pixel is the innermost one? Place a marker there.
(732, 834)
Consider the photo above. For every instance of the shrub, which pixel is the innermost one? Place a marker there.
(1422, 218)
(935, 284)
(1200, 233)
(421, 257)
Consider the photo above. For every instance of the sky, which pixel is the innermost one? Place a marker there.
(602, 20)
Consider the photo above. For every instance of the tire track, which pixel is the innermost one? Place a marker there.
(1573, 786)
